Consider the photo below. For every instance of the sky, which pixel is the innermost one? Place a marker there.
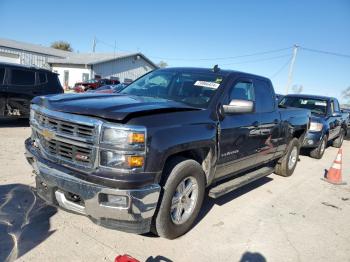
(201, 33)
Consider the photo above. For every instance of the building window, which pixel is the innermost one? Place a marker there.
(66, 77)
(85, 77)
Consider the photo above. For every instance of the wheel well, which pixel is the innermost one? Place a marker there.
(201, 155)
(299, 133)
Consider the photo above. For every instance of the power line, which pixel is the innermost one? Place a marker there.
(223, 58)
(281, 68)
(325, 52)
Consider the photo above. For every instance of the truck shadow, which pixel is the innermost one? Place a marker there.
(24, 220)
(210, 202)
(252, 257)
(14, 123)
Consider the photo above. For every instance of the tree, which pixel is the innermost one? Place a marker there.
(62, 45)
(346, 93)
(297, 89)
(162, 64)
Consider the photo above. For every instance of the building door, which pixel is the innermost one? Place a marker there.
(66, 78)
(85, 77)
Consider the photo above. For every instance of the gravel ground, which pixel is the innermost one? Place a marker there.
(300, 218)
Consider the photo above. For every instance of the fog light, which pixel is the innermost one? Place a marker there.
(135, 161)
(114, 200)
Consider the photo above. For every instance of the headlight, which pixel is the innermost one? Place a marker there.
(115, 159)
(122, 148)
(123, 138)
(315, 126)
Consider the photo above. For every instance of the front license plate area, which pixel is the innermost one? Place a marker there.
(45, 191)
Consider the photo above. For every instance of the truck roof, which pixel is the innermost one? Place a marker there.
(312, 96)
(13, 65)
(224, 72)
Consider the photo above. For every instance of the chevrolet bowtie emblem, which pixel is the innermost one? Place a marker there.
(47, 134)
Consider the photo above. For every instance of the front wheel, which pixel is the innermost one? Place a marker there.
(286, 165)
(319, 151)
(339, 140)
(182, 198)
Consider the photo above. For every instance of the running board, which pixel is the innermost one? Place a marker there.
(222, 189)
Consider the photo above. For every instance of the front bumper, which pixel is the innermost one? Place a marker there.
(55, 183)
(312, 139)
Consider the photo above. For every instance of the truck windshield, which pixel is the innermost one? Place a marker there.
(194, 89)
(316, 106)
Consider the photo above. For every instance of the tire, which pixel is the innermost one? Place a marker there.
(178, 171)
(318, 152)
(339, 140)
(286, 165)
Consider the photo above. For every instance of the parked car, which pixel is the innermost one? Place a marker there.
(279, 97)
(346, 116)
(108, 89)
(141, 159)
(93, 84)
(20, 84)
(327, 122)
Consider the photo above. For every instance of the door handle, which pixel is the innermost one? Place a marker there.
(256, 124)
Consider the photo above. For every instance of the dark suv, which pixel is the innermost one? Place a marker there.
(20, 84)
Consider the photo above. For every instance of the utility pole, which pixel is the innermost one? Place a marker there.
(94, 44)
(291, 68)
(115, 47)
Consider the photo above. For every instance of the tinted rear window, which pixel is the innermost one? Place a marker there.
(42, 78)
(316, 106)
(2, 74)
(22, 77)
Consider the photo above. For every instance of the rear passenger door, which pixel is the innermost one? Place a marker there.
(268, 118)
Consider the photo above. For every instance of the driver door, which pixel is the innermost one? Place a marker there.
(239, 134)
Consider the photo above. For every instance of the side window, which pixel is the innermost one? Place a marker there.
(42, 78)
(332, 107)
(336, 106)
(265, 101)
(2, 74)
(22, 77)
(242, 90)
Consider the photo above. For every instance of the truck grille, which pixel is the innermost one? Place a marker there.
(68, 152)
(64, 127)
(66, 137)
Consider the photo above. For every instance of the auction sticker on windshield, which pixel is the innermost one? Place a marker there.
(211, 85)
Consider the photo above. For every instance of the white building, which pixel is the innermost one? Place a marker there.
(76, 67)
(86, 66)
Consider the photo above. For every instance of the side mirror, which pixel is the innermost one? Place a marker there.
(239, 106)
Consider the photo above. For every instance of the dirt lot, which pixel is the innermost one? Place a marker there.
(300, 218)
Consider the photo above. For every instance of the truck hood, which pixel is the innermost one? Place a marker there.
(316, 118)
(118, 107)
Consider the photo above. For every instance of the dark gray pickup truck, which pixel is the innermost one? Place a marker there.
(143, 159)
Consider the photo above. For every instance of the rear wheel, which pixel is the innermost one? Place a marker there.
(182, 198)
(339, 140)
(286, 165)
(319, 151)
